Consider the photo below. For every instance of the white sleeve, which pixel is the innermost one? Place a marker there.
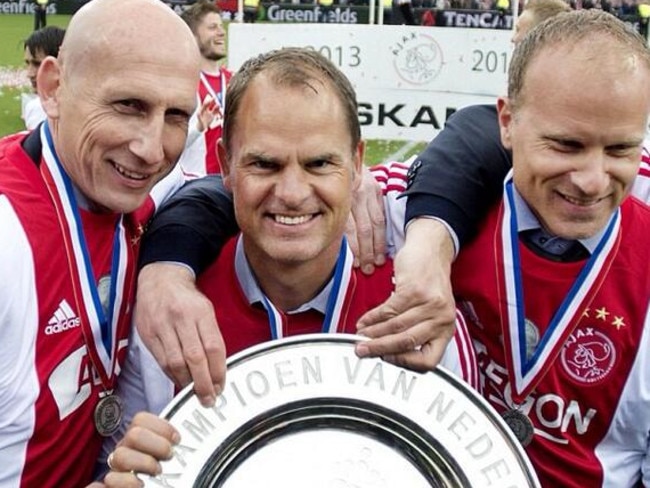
(643, 365)
(166, 187)
(460, 356)
(641, 185)
(33, 113)
(19, 385)
(624, 452)
(192, 160)
(193, 132)
(392, 179)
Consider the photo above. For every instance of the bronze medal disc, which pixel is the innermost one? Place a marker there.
(108, 415)
(520, 425)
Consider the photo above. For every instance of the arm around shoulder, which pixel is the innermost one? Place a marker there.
(460, 173)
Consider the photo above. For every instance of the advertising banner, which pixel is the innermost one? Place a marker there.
(409, 79)
(64, 7)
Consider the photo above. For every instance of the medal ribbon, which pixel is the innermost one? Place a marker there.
(100, 332)
(221, 96)
(524, 373)
(335, 301)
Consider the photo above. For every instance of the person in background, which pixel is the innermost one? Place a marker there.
(40, 44)
(74, 198)
(405, 8)
(535, 12)
(503, 7)
(251, 10)
(40, 14)
(644, 17)
(200, 154)
(387, 18)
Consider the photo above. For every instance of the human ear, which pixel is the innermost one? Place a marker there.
(48, 82)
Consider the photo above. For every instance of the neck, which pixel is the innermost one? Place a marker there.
(290, 285)
(211, 66)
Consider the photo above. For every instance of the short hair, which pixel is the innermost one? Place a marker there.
(291, 67)
(195, 14)
(568, 30)
(48, 40)
(545, 9)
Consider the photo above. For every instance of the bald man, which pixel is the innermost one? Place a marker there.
(74, 196)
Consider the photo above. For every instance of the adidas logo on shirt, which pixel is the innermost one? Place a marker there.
(63, 319)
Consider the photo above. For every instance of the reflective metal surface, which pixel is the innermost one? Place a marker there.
(307, 412)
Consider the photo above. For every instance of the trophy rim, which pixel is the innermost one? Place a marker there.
(226, 459)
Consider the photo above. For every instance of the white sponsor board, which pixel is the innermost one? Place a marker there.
(408, 78)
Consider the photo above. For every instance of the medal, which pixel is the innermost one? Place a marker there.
(102, 305)
(520, 425)
(529, 356)
(335, 303)
(108, 415)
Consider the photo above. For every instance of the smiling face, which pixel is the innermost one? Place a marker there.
(211, 37)
(292, 171)
(119, 107)
(575, 151)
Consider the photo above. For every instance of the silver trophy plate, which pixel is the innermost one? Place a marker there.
(307, 412)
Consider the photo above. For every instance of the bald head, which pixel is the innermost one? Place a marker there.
(116, 28)
(119, 98)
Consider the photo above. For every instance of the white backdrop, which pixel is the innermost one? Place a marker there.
(408, 78)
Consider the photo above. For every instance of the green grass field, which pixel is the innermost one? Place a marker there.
(15, 28)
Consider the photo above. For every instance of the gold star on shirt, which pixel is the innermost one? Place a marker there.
(586, 312)
(602, 313)
(618, 323)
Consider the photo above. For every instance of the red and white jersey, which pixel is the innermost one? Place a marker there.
(200, 154)
(591, 407)
(49, 386)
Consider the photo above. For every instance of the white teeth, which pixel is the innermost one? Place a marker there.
(584, 203)
(286, 220)
(129, 174)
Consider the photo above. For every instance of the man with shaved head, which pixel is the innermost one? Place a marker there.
(75, 195)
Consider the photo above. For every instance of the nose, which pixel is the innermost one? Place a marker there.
(591, 176)
(147, 144)
(292, 186)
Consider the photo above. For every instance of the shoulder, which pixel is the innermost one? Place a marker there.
(476, 116)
